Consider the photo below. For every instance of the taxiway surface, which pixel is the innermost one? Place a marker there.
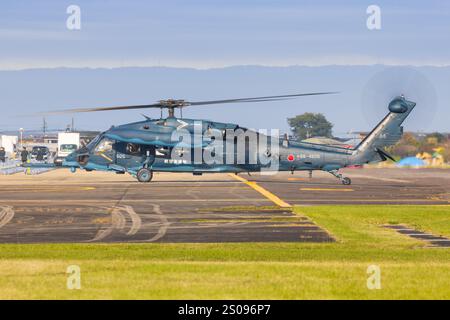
(58, 206)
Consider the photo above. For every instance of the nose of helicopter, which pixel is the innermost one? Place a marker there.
(76, 158)
(70, 160)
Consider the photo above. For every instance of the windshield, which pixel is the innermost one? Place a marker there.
(68, 147)
(94, 142)
(39, 149)
(104, 146)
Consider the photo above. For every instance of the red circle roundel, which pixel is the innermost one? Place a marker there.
(290, 157)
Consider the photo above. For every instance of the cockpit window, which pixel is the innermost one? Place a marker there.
(93, 142)
(104, 146)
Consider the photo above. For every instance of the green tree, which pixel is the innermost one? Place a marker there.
(435, 137)
(309, 125)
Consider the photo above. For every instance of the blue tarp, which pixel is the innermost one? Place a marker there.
(411, 162)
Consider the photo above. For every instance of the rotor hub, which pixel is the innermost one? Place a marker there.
(173, 103)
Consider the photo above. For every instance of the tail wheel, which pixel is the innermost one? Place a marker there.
(144, 175)
(346, 181)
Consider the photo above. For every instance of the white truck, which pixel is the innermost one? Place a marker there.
(68, 142)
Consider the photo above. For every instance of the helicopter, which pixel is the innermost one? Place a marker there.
(177, 144)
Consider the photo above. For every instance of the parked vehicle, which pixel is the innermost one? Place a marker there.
(68, 142)
(40, 153)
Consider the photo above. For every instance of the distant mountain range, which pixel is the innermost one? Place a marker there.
(27, 92)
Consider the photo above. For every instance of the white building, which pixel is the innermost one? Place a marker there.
(9, 143)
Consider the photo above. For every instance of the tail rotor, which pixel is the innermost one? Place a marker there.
(393, 82)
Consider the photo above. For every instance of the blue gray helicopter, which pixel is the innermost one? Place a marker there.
(177, 144)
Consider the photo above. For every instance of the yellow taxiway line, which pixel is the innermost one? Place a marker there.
(327, 189)
(47, 189)
(269, 195)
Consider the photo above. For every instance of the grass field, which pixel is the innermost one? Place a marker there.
(409, 269)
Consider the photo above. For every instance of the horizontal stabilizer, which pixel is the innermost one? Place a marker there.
(384, 155)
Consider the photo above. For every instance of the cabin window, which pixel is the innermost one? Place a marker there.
(133, 148)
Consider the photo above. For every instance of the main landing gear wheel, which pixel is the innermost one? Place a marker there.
(144, 175)
(344, 180)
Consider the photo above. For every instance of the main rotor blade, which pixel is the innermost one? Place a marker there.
(78, 110)
(259, 99)
(182, 103)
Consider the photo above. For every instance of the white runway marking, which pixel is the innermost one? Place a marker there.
(136, 221)
(164, 224)
(117, 222)
(6, 214)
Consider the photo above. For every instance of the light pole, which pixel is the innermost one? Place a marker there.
(21, 137)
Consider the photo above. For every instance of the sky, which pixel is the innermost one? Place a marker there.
(210, 35)
(216, 33)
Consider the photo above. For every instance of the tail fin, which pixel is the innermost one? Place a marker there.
(386, 133)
